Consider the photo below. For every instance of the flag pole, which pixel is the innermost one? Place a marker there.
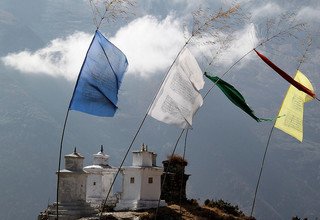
(165, 172)
(258, 45)
(234, 64)
(139, 128)
(63, 131)
(261, 169)
(267, 146)
(67, 114)
(59, 164)
(122, 162)
(189, 39)
(238, 61)
(262, 164)
(144, 118)
(182, 173)
(174, 61)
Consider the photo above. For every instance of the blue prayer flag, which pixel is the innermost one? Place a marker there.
(96, 90)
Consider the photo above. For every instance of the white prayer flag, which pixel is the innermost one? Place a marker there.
(178, 98)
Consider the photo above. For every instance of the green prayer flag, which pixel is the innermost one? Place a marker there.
(234, 96)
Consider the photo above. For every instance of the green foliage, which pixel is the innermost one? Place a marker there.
(224, 206)
(297, 218)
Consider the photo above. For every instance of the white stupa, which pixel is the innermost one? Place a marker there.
(141, 186)
(72, 191)
(99, 181)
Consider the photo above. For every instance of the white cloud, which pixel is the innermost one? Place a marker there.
(309, 14)
(62, 57)
(191, 5)
(268, 10)
(149, 44)
(242, 42)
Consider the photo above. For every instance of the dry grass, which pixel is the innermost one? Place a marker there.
(173, 212)
(110, 10)
(177, 159)
(191, 212)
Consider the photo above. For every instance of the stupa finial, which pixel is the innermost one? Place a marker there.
(101, 148)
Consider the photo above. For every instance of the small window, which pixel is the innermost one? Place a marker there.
(150, 180)
(94, 183)
(132, 180)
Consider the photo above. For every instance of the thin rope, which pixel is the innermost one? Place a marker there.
(182, 173)
(165, 173)
(260, 173)
(246, 54)
(122, 162)
(59, 163)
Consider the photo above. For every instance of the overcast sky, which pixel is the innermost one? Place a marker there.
(149, 41)
(47, 57)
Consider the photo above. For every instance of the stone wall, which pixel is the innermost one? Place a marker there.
(174, 180)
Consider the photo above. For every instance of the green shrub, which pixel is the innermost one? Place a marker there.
(224, 206)
(207, 202)
(297, 218)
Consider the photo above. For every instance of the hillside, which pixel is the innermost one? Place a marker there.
(172, 212)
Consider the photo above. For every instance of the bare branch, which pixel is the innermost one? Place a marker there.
(307, 44)
(205, 22)
(217, 28)
(110, 10)
(281, 29)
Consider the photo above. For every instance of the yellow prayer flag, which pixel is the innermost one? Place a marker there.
(291, 111)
